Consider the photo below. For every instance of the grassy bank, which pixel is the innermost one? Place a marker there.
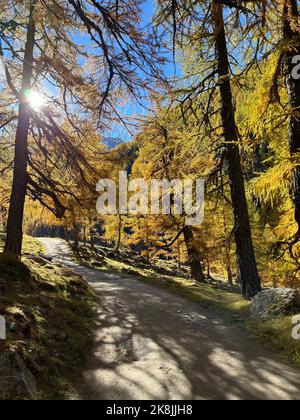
(275, 333)
(49, 314)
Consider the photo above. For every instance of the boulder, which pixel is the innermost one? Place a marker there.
(273, 302)
(16, 380)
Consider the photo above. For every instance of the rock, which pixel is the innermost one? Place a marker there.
(16, 380)
(21, 328)
(273, 302)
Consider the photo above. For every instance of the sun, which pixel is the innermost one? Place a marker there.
(35, 99)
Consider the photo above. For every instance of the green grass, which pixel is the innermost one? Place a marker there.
(32, 246)
(53, 310)
(277, 333)
(207, 295)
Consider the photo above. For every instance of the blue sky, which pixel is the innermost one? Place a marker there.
(132, 108)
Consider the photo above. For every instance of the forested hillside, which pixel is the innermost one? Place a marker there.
(99, 96)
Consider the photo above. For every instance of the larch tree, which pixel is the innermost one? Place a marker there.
(280, 24)
(189, 23)
(291, 36)
(43, 50)
(13, 243)
(166, 155)
(248, 273)
(289, 48)
(34, 46)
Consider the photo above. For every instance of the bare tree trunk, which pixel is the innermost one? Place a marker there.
(14, 238)
(91, 233)
(179, 255)
(119, 234)
(229, 275)
(84, 232)
(194, 257)
(66, 234)
(76, 233)
(92, 238)
(250, 279)
(208, 270)
(291, 33)
(227, 252)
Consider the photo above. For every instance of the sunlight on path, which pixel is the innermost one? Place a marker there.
(151, 344)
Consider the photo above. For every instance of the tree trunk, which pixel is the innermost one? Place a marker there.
(118, 244)
(250, 280)
(92, 233)
(194, 257)
(229, 275)
(66, 234)
(179, 255)
(84, 232)
(14, 238)
(291, 33)
(208, 270)
(92, 238)
(76, 232)
(227, 251)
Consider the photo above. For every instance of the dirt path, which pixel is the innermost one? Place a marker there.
(152, 344)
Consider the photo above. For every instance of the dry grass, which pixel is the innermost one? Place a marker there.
(52, 309)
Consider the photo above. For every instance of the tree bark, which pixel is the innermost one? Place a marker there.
(291, 33)
(227, 251)
(179, 256)
(194, 257)
(76, 233)
(208, 270)
(248, 272)
(84, 239)
(14, 238)
(229, 275)
(92, 238)
(91, 233)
